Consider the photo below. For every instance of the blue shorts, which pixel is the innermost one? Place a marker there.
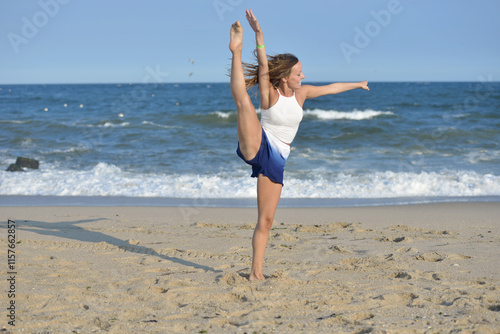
(268, 161)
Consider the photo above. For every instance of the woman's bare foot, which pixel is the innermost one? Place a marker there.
(236, 42)
(254, 277)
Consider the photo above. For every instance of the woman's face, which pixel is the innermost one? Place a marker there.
(294, 80)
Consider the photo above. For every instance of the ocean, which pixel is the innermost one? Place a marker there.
(175, 143)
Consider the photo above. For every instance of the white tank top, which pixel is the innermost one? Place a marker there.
(282, 119)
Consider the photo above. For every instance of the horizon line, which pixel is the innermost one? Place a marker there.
(227, 82)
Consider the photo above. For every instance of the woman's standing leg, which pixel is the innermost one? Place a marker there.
(268, 197)
(248, 124)
(249, 138)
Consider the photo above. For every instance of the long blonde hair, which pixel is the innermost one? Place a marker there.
(280, 66)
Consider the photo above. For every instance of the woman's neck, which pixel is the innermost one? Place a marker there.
(285, 91)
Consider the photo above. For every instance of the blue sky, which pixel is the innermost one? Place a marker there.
(91, 41)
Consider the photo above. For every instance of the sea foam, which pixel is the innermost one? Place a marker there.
(355, 115)
(109, 180)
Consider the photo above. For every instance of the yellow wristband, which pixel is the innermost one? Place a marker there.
(260, 46)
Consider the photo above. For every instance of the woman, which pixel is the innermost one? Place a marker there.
(265, 146)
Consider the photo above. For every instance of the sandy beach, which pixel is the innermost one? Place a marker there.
(432, 268)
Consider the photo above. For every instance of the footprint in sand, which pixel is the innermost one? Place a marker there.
(438, 257)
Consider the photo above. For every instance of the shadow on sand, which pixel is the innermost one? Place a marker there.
(71, 230)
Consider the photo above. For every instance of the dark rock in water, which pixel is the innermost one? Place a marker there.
(27, 163)
(23, 163)
(14, 168)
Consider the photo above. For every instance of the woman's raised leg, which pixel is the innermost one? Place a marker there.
(250, 137)
(268, 197)
(249, 128)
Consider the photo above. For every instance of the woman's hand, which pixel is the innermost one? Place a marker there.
(364, 85)
(252, 20)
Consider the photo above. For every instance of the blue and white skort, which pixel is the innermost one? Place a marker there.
(271, 158)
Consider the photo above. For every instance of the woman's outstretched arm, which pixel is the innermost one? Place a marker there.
(334, 88)
(264, 82)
